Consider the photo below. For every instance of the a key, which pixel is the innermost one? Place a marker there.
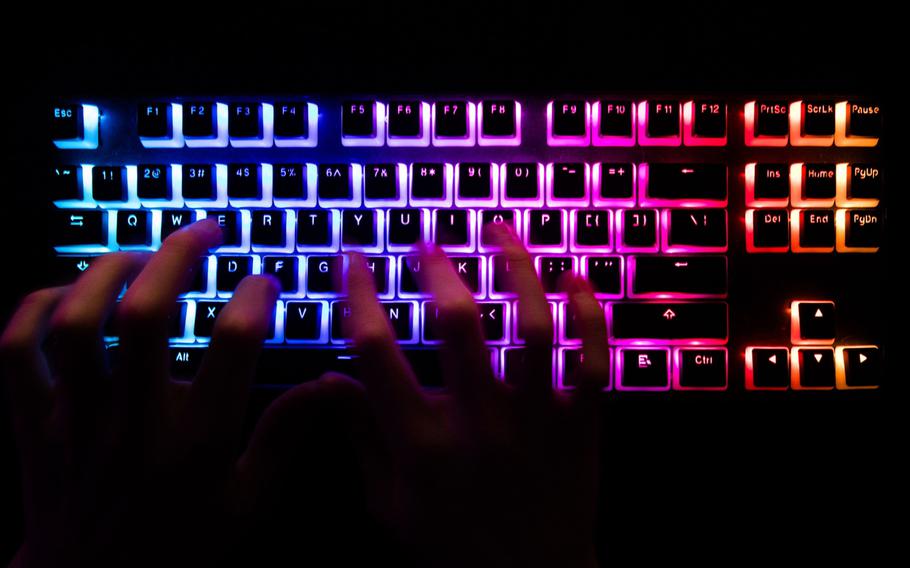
(134, 228)
(291, 120)
(500, 279)
(812, 230)
(644, 369)
(496, 216)
(685, 183)
(268, 228)
(244, 181)
(474, 180)
(229, 221)
(569, 181)
(858, 367)
(289, 181)
(154, 120)
(605, 275)
(405, 227)
(200, 282)
(451, 119)
(379, 266)
(817, 118)
(770, 230)
(545, 228)
(177, 321)
(863, 183)
(498, 119)
(615, 118)
(380, 181)
(399, 314)
(358, 119)
(673, 322)
(859, 230)
(592, 228)
(469, 270)
(769, 183)
(153, 181)
(696, 229)
(66, 122)
(812, 323)
(818, 182)
(231, 270)
(767, 368)
(304, 321)
(617, 181)
(206, 314)
(108, 183)
(284, 268)
(428, 181)
(812, 368)
(678, 276)
(709, 119)
(172, 220)
(521, 181)
(516, 315)
(79, 227)
(68, 268)
(65, 183)
(334, 182)
(701, 369)
(199, 120)
(358, 227)
(551, 268)
(638, 229)
(199, 181)
(863, 119)
(184, 362)
(663, 119)
(405, 120)
(452, 227)
(324, 274)
(315, 227)
(570, 118)
(772, 118)
(245, 120)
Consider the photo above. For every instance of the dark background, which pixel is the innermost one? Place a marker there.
(811, 479)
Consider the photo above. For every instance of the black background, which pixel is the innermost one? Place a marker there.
(796, 479)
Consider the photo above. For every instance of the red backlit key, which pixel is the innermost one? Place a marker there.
(767, 368)
(857, 123)
(859, 230)
(812, 123)
(857, 367)
(767, 123)
(812, 230)
(767, 185)
(812, 323)
(767, 230)
(705, 123)
(812, 368)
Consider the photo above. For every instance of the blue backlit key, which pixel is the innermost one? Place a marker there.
(79, 227)
(153, 181)
(198, 182)
(206, 314)
(229, 221)
(316, 228)
(362, 123)
(173, 220)
(231, 270)
(269, 228)
(205, 124)
(66, 183)
(74, 126)
(134, 228)
(244, 181)
(304, 321)
(109, 183)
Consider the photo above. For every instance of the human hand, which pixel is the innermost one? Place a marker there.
(488, 474)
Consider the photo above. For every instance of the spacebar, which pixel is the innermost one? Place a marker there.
(673, 323)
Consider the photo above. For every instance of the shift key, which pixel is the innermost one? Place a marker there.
(673, 323)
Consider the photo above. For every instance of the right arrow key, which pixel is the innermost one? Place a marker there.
(812, 323)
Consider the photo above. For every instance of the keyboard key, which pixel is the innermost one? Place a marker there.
(453, 123)
(405, 120)
(134, 228)
(678, 184)
(701, 230)
(172, 220)
(817, 118)
(291, 120)
(74, 126)
(428, 183)
(109, 183)
(571, 361)
(79, 228)
(66, 183)
(857, 123)
(245, 120)
(708, 121)
(198, 182)
(500, 122)
(772, 119)
(380, 182)
(470, 270)
(284, 268)
(66, 269)
(359, 228)
(637, 229)
(494, 321)
(673, 322)
(643, 369)
(289, 182)
(305, 321)
(767, 368)
(205, 124)
(406, 228)
(184, 362)
(403, 317)
(812, 323)
(812, 368)
(408, 276)
(767, 230)
(813, 185)
(551, 268)
(334, 182)
(358, 119)
(858, 367)
(200, 283)
(522, 181)
(231, 270)
(677, 276)
(153, 181)
(545, 229)
(604, 273)
(592, 228)
(324, 275)
(767, 185)
(230, 223)
(499, 265)
(700, 369)
(454, 228)
(859, 230)
(568, 183)
(154, 120)
(614, 121)
(474, 181)
(568, 123)
(509, 217)
(614, 183)
(812, 230)
(269, 228)
(206, 314)
(244, 181)
(316, 228)
(858, 185)
(381, 267)
(662, 123)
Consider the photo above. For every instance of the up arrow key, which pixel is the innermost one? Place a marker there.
(812, 323)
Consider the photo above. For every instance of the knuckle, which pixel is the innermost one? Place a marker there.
(372, 337)
(182, 243)
(241, 326)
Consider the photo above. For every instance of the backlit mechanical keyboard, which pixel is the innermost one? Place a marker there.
(717, 231)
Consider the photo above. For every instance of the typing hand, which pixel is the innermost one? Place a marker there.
(489, 474)
(120, 465)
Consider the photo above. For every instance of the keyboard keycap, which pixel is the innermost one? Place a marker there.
(324, 274)
(66, 122)
(857, 123)
(246, 120)
(409, 270)
(673, 322)
(380, 182)
(244, 181)
(499, 119)
(767, 185)
(816, 185)
(359, 228)
(772, 118)
(406, 227)
(79, 227)
(289, 182)
(709, 119)
(334, 182)
(291, 120)
(767, 368)
(858, 367)
(605, 275)
(551, 268)
(545, 229)
(381, 267)
(615, 119)
(509, 217)
(134, 228)
(305, 321)
(284, 268)
(269, 228)
(616, 183)
(812, 230)
(638, 230)
(405, 119)
(768, 230)
(199, 120)
(663, 120)
(172, 220)
(316, 228)
(700, 230)
(858, 185)
(522, 181)
(230, 223)
(700, 369)
(231, 270)
(592, 228)
(494, 321)
(474, 181)
(453, 228)
(153, 181)
(154, 120)
(569, 119)
(568, 182)
(199, 182)
(817, 118)
(109, 183)
(428, 182)
(644, 369)
(812, 323)
(453, 121)
(859, 230)
(812, 368)
(66, 183)
(677, 276)
(206, 314)
(690, 184)
(358, 119)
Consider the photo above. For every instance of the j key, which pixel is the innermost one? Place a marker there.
(199, 181)
(66, 122)
(616, 118)
(814, 322)
(291, 120)
(245, 120)
(605, 274)
(521, 181)
(569, 118)
(495, 216)
(702, 368)
(380, 181)
(772, 118)
(358, 118)
(153, 181)
(545, 227)
(108, 183)
(334, 181)
(231, 270)
(569, 181)
(405, 226)
(670, 321)
(79, 227)
(154, 120)
(324, 274)
(663, 119)
(645, 369)
(409, 278)
(816, 228)
(134, 228)
(289, 181)
(551, 270)
(229, 221)
(185, 362)
(864, 119)
(818, 118)
(863, 228)
(451, 119)
(819, 181)
(206, 314)
(427, 181)
(468, 269)
(592, 227)
(816, 368)
(172, 220)
(474, 180)
(404, 119)
(284, 268)
(616, 180)
(379, 266)
(358, 227)
(698, 228)
(689, 275)
(770, 368)
(709, 119)
(65, 182)
(687, 181)
(244, 181)
(498, 118)
(303, 321)
(864, 181)
(770, 228)
(199, 120)
(452, 226)
(861, 366)
(268, 228)
(493, 320)
(772, 181)
(314, 227)
(639, 228)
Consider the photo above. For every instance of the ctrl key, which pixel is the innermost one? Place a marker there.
(858, 367)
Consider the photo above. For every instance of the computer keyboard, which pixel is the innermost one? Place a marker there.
(722, 233)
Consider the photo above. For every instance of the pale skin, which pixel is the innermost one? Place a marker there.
(485, 473)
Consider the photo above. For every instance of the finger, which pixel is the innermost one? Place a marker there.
(24, 365)
(143, 314)
(394, 392)
(466, 360)
(218, 396)
(535, 320)
(594, 373)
